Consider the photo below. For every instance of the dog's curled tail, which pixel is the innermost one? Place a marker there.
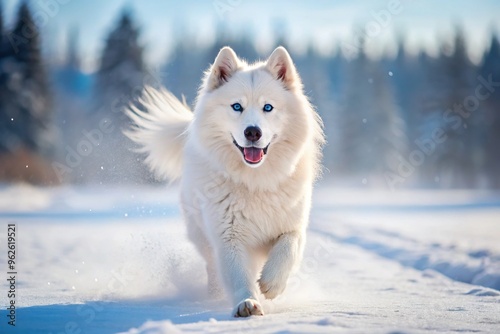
(160, 130)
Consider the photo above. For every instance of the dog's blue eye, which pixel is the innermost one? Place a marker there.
(268, 107)
(237, 107)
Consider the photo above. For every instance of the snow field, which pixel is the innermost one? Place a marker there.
(119, 262)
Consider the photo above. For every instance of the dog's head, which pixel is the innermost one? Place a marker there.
(254, 117)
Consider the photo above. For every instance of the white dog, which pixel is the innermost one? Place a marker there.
(248, 156)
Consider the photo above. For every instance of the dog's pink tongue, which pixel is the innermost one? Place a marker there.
(253, 154)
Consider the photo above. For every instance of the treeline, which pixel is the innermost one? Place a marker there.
(27, 128)
(405, 121)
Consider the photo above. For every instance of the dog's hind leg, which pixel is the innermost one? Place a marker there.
(203, 246)
(215, 289)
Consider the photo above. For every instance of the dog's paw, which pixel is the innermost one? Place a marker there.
(271, 285)
(247, 308)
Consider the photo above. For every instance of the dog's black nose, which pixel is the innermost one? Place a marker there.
(253, 133)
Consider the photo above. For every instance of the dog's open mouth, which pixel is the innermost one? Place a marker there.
(252, 155)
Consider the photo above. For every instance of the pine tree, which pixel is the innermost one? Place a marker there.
(373, 133)
(428, 114)
(2, 37)
(120, 81)
(27, 132)
(5, 127)
(316, 72)
(25, 98)
(185, 67)
(406, 75)
(490, 66)
(1, 24)
(353, 146)
(122, 70)
(329, 101)
(456, 163)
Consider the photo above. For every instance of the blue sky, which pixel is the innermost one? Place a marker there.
(323, 23)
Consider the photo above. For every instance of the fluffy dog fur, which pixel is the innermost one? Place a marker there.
(248, 220)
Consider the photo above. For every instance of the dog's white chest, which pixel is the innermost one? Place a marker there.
(253, 217)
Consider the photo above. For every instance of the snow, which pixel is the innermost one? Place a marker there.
(99, 260)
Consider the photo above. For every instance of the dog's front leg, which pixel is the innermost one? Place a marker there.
(286, 252)
(239, 279)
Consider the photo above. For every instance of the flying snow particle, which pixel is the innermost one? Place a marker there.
(126, 215)
(102, 167)
(95, 279)
(364, 181)
(26, 166)
(73, 287)
(391, 74)
(48, 283)
(365, 120)
(83, 262)
(12, 119)
(370, 80)
(76, 271)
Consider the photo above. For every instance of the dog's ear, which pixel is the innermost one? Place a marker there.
(226, 63)
(281, 66)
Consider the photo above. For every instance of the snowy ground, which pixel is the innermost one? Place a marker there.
(91, 261)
